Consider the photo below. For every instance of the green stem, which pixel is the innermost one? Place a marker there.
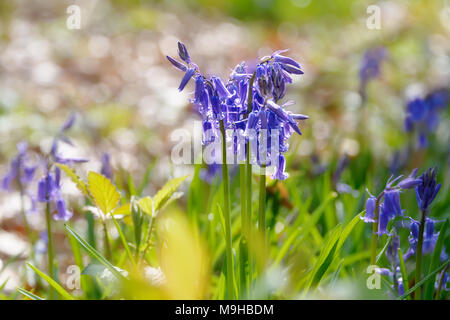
(374, 231)
(147, 240)
(262, 215)
(248, 185)
(108, 252)
(417, 295)
(243, 256)
(51, 269)
(226, 195)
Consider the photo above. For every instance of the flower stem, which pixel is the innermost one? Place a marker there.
(226, 195)
(50, 248)
(243, 256)
(375, 230)
(417, 294)
(262, 215)
(248, 185)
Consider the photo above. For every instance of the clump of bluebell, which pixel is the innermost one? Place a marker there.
(248, 105)
(386, 207)
(422, 115)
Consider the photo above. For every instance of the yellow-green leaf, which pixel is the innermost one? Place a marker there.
(123, 210)
(146, 205)
(103, 192)
(75, 178)
(166, 192)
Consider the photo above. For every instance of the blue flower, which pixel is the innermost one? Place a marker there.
(422, 115)
(427, 190)
(370, 67)
(106, 168)
(429, 238)
(370, 209)
(218, 100)
(19, 170)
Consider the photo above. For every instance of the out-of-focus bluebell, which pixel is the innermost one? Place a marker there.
(429, 238)
(422, 115)
(370, 67)
(106, 168)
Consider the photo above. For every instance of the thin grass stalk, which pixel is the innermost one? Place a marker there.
(262, 216)
(50, 256)
(226, 194)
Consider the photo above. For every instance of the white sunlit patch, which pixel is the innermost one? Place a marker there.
(279, 227)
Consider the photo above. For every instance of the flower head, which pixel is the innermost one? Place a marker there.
(427, 190)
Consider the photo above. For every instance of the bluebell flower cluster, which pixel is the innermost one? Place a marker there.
(422, 115)
(370, 67)
(248, 105)
(20, 172)
(429, 238)
(49, 186)
(20, 175)
(387, 204)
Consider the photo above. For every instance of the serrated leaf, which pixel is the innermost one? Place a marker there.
(75, 178)
(162, 196)
(103, 192)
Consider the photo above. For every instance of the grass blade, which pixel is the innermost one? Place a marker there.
(403, 271)
(29, 294)
(94, 253)
(52, 283)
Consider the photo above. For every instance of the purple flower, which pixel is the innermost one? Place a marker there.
(410, 182)
(62, 212)
(429, 238)
(370, 209)
(227, 101)
(427, 190)
(370, 67)
(106, 169)
(19, 170)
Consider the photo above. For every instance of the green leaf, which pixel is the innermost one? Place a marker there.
(94, 253)
(325, 258)
(75, 178)
(380, 254)
(429, 286)
(303, 231)
(162, 196)
(348, 229)
(146, 205)
(103, 192)
(29, 294)
(52, 283)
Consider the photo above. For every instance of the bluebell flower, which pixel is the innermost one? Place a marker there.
(370, 208)
(228, 101)
(429, 238)
(427, 190)
(422, 115)
(370, 67)
(20, 171)
(209, 173)
(106, 168)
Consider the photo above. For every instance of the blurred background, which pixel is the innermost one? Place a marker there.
(112, 72)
